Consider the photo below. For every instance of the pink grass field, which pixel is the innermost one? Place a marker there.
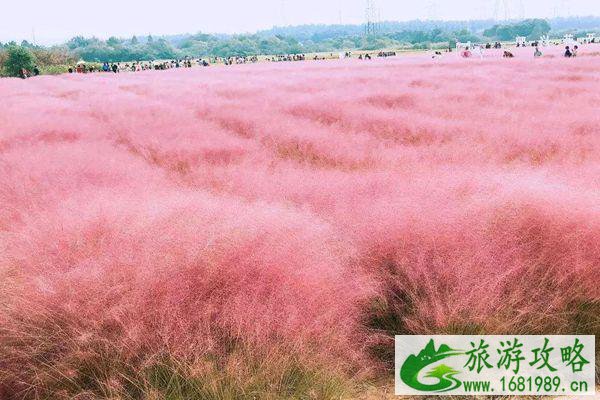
(243, 228)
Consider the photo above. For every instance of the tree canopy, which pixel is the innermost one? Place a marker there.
(208, 45)
(300, 39)
(17, 58)
(532, 29)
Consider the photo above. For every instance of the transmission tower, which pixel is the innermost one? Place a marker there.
(371, 18)
(566, 8)
(283, 14)
(432, 10)
(502, 10)
(509, 9)
(521, 10)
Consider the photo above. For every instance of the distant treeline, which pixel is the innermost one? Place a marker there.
(304, 39)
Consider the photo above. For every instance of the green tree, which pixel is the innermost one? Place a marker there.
(533, 29)
(18, 58)
(113, 41)
(78, 41)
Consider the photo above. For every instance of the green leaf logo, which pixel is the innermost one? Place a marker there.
(413, 365)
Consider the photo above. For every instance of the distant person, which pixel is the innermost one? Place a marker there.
(575, 50)
(36, 71)
(568, 52)
(537, 53)
(115, 68)
(508, 54)
(70, 70)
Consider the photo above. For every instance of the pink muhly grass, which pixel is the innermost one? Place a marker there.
(290, 215)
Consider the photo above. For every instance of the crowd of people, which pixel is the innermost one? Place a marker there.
(83, 68)
(287, 57)
(467, 51)
(477, 49)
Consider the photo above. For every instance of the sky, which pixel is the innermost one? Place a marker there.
(55, 21)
